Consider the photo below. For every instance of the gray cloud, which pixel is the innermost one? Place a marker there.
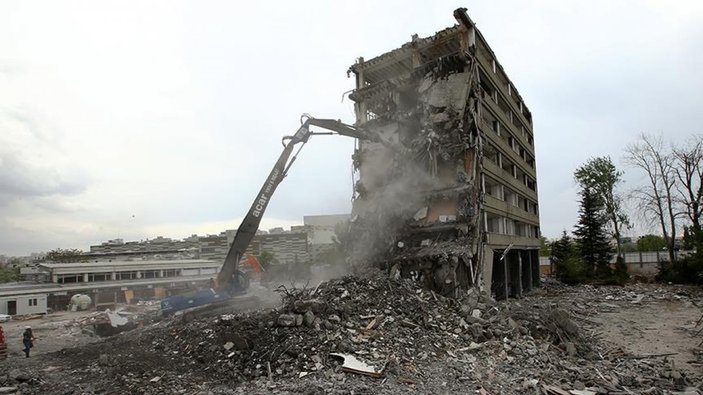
(33, 165)
(20, 177)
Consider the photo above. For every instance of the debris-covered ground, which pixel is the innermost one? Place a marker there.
(559, 340)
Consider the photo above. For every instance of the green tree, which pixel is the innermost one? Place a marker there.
(592, 238)
(562, 248)
(567, 266)
(602, 177)
(545, 247)
(266, 259)
(9, 274)
(651, 243)
(60, 255)
(628, 246)
(691, 238)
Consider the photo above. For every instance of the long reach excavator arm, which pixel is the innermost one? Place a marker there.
(230, 278)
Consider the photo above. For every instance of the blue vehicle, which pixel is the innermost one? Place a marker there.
(176, 303)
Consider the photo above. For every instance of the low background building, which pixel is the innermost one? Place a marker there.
(321, 232)
(108, 283)
(23, 304)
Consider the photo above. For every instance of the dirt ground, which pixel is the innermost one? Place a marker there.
(655, 327)
(53, 331)
(638, 339)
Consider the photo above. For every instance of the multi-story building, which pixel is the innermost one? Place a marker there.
(157, 248)
(448, 193)
(321, 230)
(287, 247)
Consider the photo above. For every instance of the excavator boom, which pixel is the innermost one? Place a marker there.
(229, 277)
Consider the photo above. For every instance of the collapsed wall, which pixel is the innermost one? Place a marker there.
(418, 206)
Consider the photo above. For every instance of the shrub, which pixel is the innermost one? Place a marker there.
(688, 270)
(571, 270)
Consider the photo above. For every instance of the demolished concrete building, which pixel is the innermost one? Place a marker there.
(448, 195)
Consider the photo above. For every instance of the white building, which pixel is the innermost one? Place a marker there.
(92, 272)
(23, 304)
(107, 283)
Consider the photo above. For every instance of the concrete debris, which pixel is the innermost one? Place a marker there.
(104, 360)
(547, 343)
(18, 375)
(353, 365)
(308, 318)
(286, 320)
(108, 323)
(421, 213)
(314, 305)
(115, 318)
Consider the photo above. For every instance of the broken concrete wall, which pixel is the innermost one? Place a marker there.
(419, 199)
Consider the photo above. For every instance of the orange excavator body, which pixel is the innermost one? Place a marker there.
(250, 263)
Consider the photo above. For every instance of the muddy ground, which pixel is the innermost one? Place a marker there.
(558, 340)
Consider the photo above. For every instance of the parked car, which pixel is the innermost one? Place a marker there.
(5, 317)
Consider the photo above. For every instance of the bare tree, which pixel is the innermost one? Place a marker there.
(689, 173)
(656, 200)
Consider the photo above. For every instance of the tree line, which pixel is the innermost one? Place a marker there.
(671, 199)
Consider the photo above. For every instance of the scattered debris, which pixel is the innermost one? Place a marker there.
(401, 334)
(115, 319)
(353, 365)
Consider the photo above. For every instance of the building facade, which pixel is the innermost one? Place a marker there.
(321, 230)
(448, 190)
(163, 245)
(23, 304)
(97, 272)
(287, 247)
(109, 282)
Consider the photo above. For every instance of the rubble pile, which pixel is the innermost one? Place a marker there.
(376, 335)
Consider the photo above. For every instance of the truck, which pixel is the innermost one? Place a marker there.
(232, 282)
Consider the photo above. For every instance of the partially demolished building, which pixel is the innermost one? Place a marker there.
(448, 195)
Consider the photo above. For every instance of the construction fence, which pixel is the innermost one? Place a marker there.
(638, 263)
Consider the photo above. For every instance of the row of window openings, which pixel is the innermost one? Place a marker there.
(508, 113)
(509, 227)
(504, 107)
(128, 275)
(502, 193)
(496, 157)
(504, 79)
(514, 145)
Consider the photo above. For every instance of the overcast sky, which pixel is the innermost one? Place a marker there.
(138, 119)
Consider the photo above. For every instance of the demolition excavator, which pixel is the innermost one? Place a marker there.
(230, 280)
